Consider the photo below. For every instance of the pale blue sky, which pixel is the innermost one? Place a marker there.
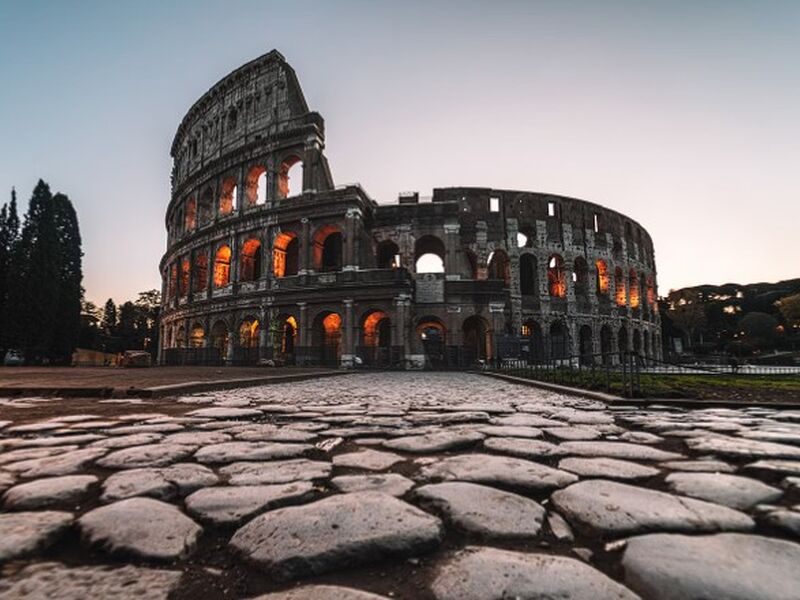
(683, 115)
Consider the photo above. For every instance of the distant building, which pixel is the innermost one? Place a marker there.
(268, 259)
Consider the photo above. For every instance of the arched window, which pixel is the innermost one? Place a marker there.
(200, 279)
(248, 333)
(432, 336)
(556, 278)
(634, 288)
(532, 346)
(388, 255)
(197, 336)
(219, 336)
(580, 276)
(250, 267)
(651, 291)
(228, 199)
(328, 248)
(285, 254)
(284, 336)
(183, 281)
(376, 330)
(180, 337)
(222, 267)
(290, 177)
(528, 275)
(620, 294)
(429, 254)
(606, 344)
(498, 266)
(256, 182)
(190, 216)
(602, 277)
(559, 343)
(586, 349)
(476, 337)
(172, 281)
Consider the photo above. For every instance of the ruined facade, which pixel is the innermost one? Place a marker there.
(267, 259)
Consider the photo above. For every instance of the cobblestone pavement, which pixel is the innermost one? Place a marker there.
(400, 485)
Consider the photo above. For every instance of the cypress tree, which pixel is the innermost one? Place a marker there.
(110, 317)
(68, 312)
(9, 235)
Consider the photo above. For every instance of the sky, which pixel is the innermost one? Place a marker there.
(682, 115)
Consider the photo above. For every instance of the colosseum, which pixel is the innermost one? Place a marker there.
(268, 260)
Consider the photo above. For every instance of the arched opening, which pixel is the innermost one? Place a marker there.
(585, 345)
(606, 344)
(476, 342)
(197, 336)
(206, 208)
(559, 342)
(646, 344)
(190, 216)
(328, 248)
(432, 336)
(172, 282)
(284, 338)
(388, 255)
(250, 261)
(429, 255)
(651, 291)
(528, 284)
(290, 177)
(622, 340)
(183, 280)
(602, 277)
(222, 267)
(522, 240)
(556, 278)
(472, 264)
(228, 198)
(376, 339)
(532, 341)
(200, 279)
(219, 337)
(248, 333)
(286, 254)
(620, 294)
(580, 276)
(526, 237)
(327, 337)
(498, 266)
(256, 182)
(633, 279)
(637, 342)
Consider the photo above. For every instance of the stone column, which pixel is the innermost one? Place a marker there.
(229, 351)
(263, 332)
(234, 271)
(351, 229)
(451, 246)
(348, 350)
(306, 243)
(303, 336)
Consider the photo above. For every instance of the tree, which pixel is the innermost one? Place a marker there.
(68, 313)
(687, 312)
(9, 236)
(790, 309)
(109, 323)
(149, 305)
(760, 329)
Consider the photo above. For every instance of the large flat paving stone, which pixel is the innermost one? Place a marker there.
(336, 532)
(775, 466)
(229, 452)
(484, 510)
(511, 431)
(149, 455)
(623, 450)
(735, 446)
(52, 580)
(574, 433)
(229, 505)
(140, 527)
(61, 464)
(126, 441)
(732, 566)
(371, 460)
(731, 490)
(223, 412)
(698, 466)
(162, 483)
(503, 471)
(197, 438)
(25, 533)
(321, 592)
(523, 448)
(279, 471)
(479, 573)
(601, 507)
(51, 491)
(387, 483)
(434, 442)
(607, 468)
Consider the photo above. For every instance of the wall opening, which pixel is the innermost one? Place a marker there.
(222, 267)
(250, 261)
(286, 254)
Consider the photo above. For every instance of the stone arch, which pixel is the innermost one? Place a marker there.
(248, 332)
(290, 177)
(190, 215)
(499, 267)
(180, 337)
(328, 248)
(205, 208)
(476, 339)
(585, 345)
(606, 344)
(471, 260)
(219, 336)
(200, 274)
(559, 340)
(387, 255)
(228, 198)
(556, 276)
(620, 293)
(532, 341)
(183, 277)
(431, 334)
(622, 340)
(222, 266)
(197, 335)
(326, 337)
(602, 282)
(250, 260)
(286, 254)
(580, 276)
(284, 331)
(376, 329)
(633, 288)
(637, 342)
(425, 249)
(256, 186)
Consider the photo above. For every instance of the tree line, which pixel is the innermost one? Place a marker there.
(133, 325)
(40, 278)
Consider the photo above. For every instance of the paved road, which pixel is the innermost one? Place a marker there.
(414, 486)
